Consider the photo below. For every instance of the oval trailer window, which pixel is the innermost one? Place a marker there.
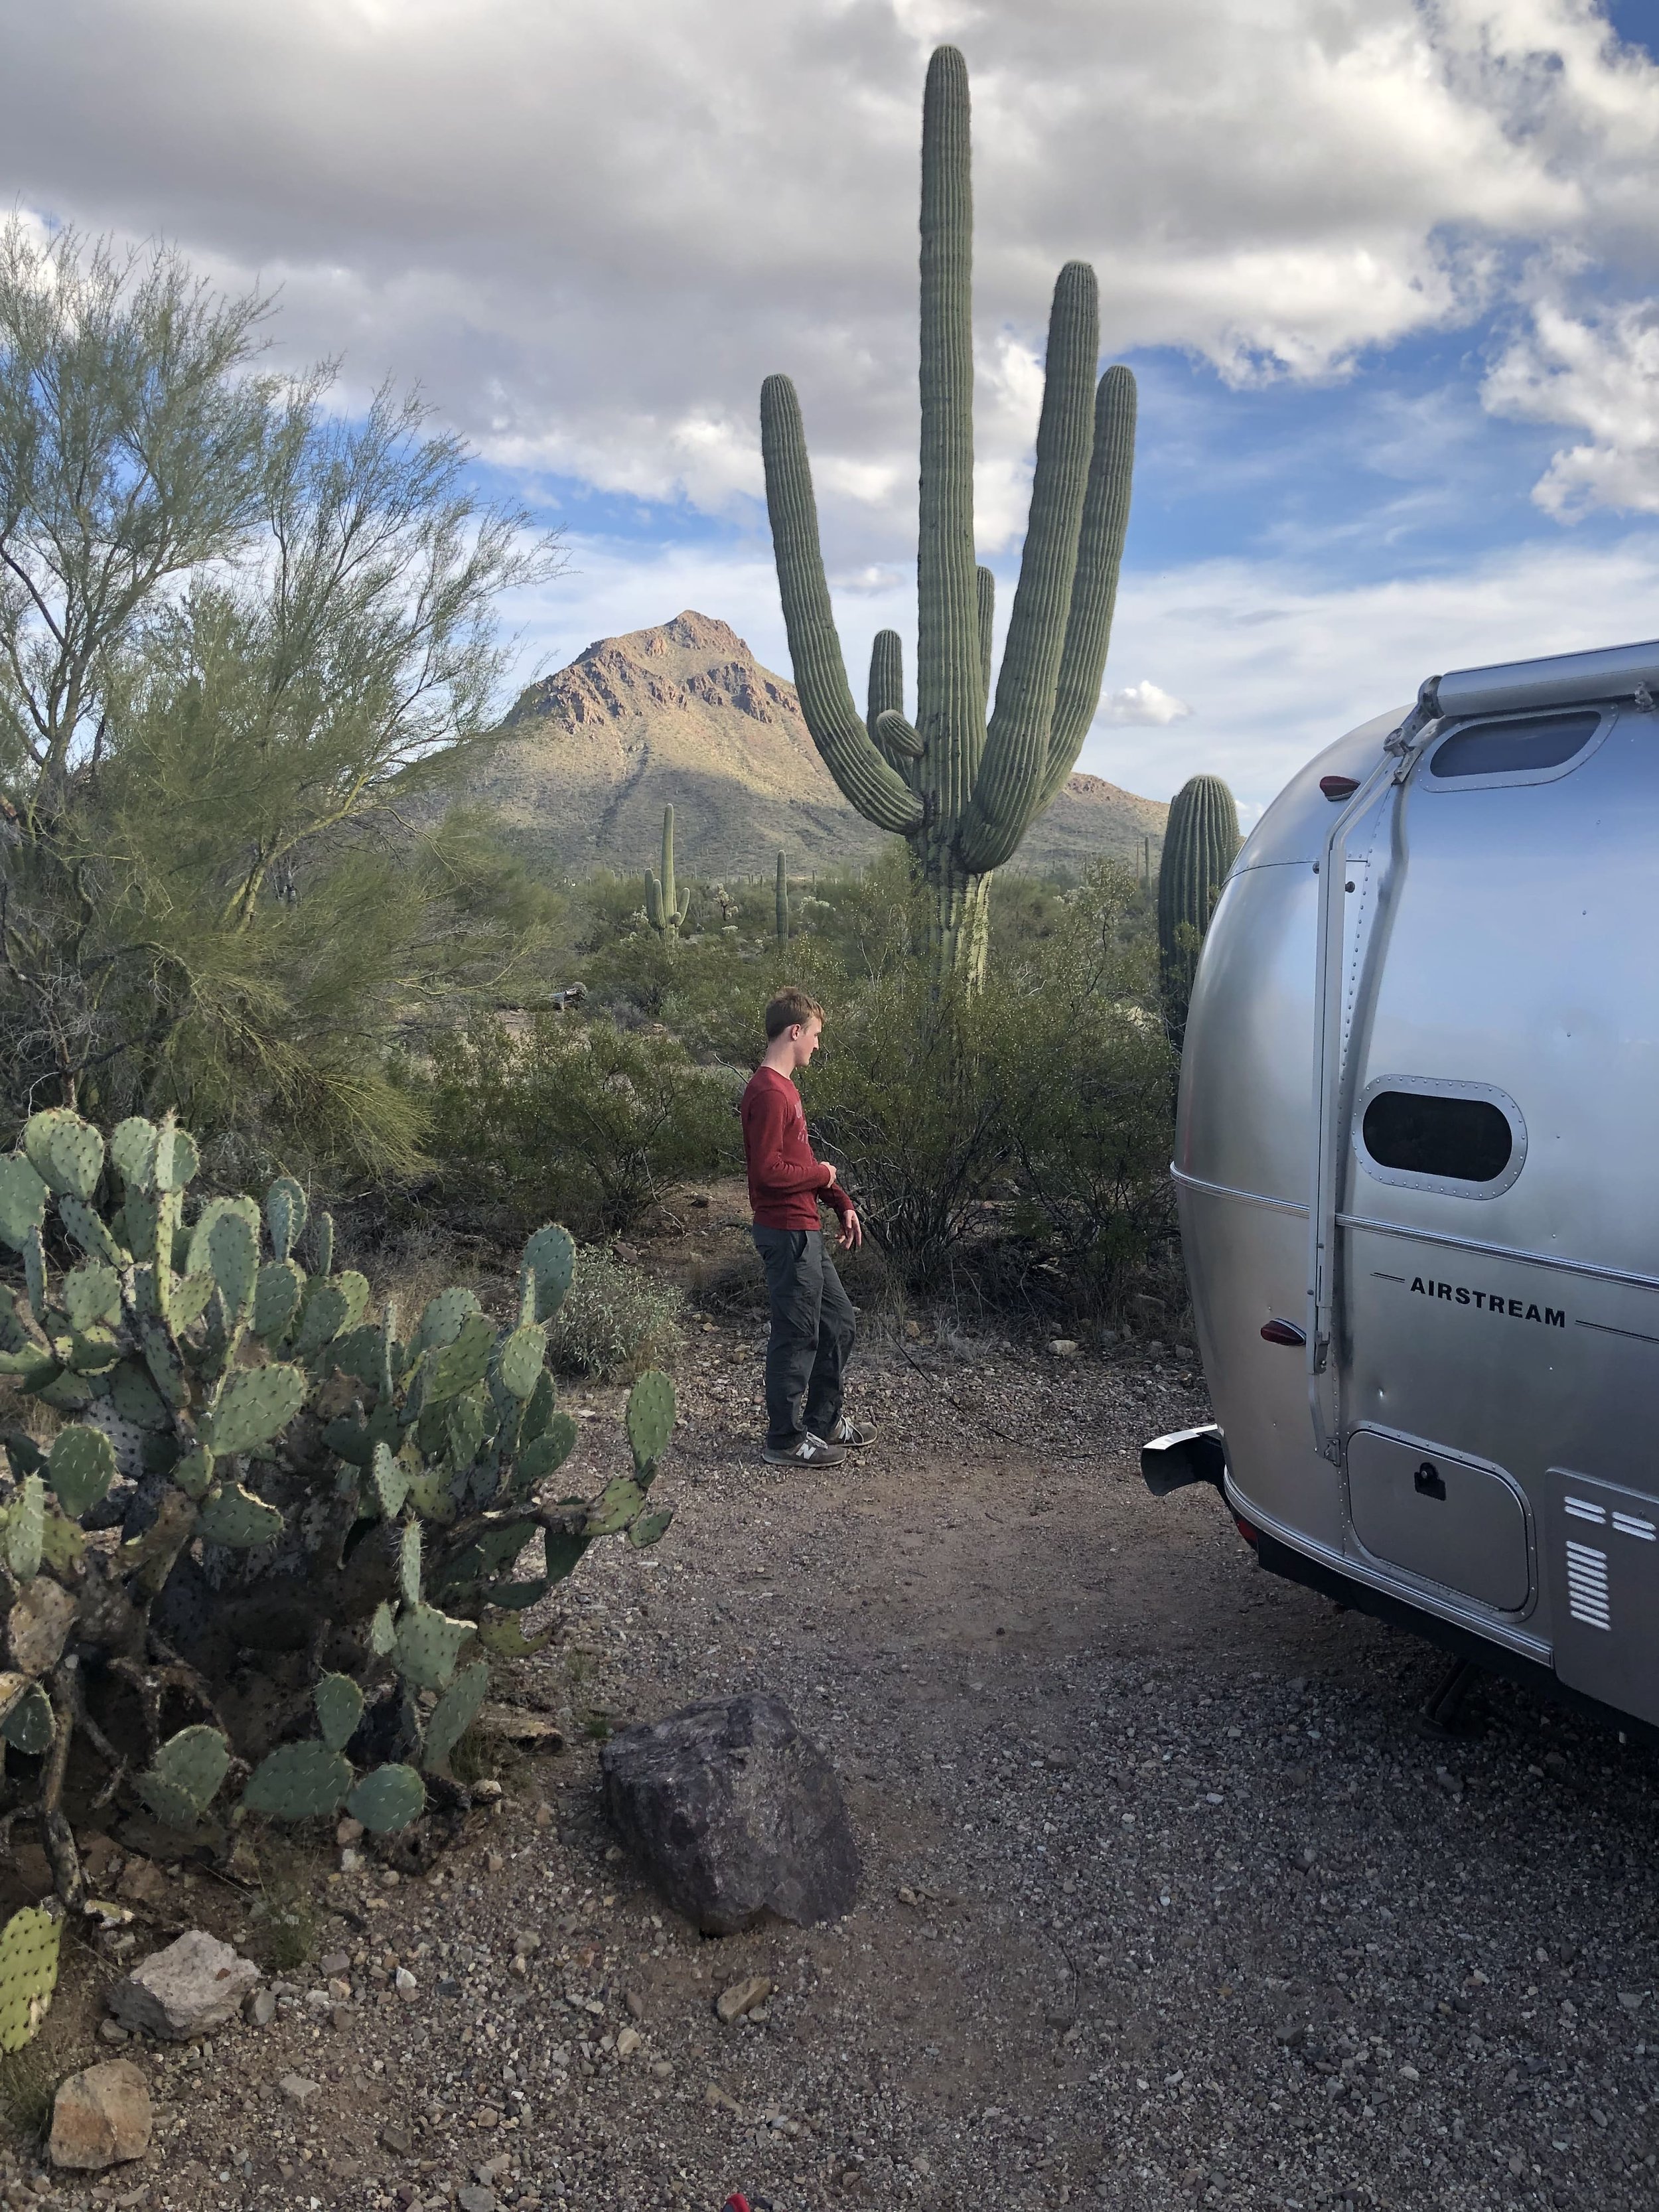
(1452, 1138)
(1521, 746)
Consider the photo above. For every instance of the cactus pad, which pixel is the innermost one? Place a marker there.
(29, 1973)
(74, 1158)
(63, 1543)
(326, 1311)
(409, 1564)
(254, 1405)
(468, 1424)
(427, 1644)
(389, 1482)
(233, 1257)
(91, 1293)
(186, 1778)
(454, 1714)
(38, 1133)
(614, 1508)
(441, 1321)
(382, 1633)
(538, 1411)
(389, 1798)
(22, 1202)
(277, 1291)
(650, 1528)
(549, 1452)
(507, 1639)
(89, 1231)
(285, 1215)
(339, 1704)
(298, 1781)
(194, 1472)
(82, 1467)
(176, 1157)
(197, 1254)
(551, 1257)
(463, 1364)
(24, 1526)
(236, 1519)
(132, 1148)
(135, 1397)
(650, 1419)
(524, 1356)
(28, 1725)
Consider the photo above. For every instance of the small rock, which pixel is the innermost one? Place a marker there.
(475, 2197)
(143, 1883)
(662, 2069)
(543, 1816)
(337, 1962)
(398, 2140)
(493, 2168)
(628, 2042)
(259, 2007)
(742, 1996)
(718, 2098)
(189, 1989)
(349, 1832)
(634, 2003)
(405, 1984)
(101, 2117)
(1062, 1347)
(494, 1863)
(111, 2030)
(1632, 1999)
(298, 2089)
(733, 1812)
(486, 1793)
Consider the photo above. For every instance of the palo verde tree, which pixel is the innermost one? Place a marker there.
(961, 789)
(235, 627)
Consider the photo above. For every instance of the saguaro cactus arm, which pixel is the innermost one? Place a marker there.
(870, 782)
(987, 615)
(1094, 591)
(1017, 742)
(885, 716)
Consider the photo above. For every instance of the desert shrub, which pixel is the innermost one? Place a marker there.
(616, 1320)
(240, 1504)
(903, 1096)
(581, 1119)
(1084, 1078)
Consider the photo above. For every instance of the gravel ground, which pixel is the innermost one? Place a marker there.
(1170, 1896)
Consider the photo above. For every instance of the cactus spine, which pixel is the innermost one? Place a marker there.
(1200, 841)
(781, 901)
(665, 915)
(964, 790)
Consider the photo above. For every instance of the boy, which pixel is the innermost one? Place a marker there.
(812, 1320)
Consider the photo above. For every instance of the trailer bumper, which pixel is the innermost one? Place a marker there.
(1185, 1455)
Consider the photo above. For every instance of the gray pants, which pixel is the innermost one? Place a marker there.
(812, 1329)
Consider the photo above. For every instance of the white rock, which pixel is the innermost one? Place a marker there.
(191, 1988)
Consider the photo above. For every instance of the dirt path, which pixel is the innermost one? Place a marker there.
(1169, 1899)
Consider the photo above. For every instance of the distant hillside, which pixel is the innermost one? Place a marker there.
(685, 713)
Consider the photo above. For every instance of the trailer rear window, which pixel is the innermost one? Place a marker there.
(1451, 1139)
(1523, 745)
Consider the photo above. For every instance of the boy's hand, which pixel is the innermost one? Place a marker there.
(852, 1230)
(828, 1167)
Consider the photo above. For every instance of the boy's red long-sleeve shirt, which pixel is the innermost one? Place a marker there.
(785, 1182)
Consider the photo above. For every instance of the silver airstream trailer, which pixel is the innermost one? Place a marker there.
(1418, 1164)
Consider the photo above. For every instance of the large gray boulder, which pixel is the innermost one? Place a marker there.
(732, 1814)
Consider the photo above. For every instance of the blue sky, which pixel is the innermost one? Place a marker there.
(1384, 269)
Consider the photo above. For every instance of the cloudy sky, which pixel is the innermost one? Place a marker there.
(1386, 272)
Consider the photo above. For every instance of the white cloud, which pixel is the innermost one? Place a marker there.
(1276, 664)
(1143, 703)
(589, 231)
(1600, 376)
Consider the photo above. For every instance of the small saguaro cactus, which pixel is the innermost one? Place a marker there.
(1200, 842)
(781, 901)
(665, 915)
(962, 788)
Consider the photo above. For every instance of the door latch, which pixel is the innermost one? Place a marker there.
(1428, 1481)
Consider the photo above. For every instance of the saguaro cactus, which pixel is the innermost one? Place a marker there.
(665, 914)
(781, 899)
(965, 791)
(1200, 842)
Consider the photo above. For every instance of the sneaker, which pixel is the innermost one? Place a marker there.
(851, 1436)
(807, 1450)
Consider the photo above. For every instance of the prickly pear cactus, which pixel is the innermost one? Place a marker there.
(282, 1466)
(29, 1973)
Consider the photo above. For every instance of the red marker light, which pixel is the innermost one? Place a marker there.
(1282, 1332)
(1339, 787)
